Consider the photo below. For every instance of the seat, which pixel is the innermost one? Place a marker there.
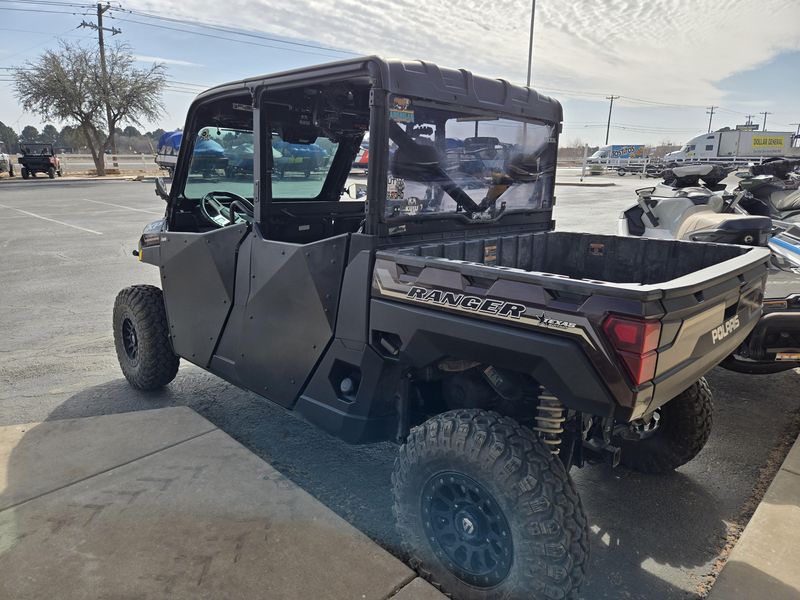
(706, 219)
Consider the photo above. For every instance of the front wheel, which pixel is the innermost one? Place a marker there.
(486, 511)
(141, 338)
(51, 172)
(25, 173)
(673, 435)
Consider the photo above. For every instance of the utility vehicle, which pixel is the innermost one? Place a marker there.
(38, 158)
(438, 310)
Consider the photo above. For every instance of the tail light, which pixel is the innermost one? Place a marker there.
(635, 341)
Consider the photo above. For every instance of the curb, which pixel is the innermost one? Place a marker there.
(763, 563)
(68, 178)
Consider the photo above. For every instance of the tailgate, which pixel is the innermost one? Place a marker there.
(707, 315)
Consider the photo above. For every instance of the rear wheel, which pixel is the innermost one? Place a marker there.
(25, 172)
(51, 172)
(486, 511)
(141, 338)
(673, 435)
(10, 170)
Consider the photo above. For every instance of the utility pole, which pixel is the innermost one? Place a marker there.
(797, 133)
(765, 113)
(710, 113)
(104, 71)
(610, 106)
(749, 120)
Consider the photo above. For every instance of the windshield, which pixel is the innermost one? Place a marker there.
(448, 161)
(36, 149)
(222, 160)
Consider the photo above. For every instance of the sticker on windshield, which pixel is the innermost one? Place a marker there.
(400, 110)
(395, 188)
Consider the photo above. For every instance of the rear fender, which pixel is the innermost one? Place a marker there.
(427, 336)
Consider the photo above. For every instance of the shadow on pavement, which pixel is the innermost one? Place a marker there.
(652, 536)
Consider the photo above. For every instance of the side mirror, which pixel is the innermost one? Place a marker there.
(161, 189)
(356, 190)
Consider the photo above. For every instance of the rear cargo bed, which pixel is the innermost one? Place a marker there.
(706, 297)
(641, 267)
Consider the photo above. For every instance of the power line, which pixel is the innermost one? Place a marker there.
(39, 10)
(48, 3)
(235, 31)
(218, 37)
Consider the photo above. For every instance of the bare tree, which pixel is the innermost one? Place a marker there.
(67, 85)
(133, 94)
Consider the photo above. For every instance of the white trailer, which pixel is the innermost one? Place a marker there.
(729, 146)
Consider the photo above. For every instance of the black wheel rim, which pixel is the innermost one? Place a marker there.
(467, 529)
(130, 340)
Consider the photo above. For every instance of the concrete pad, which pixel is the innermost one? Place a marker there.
(763, 563)
(419, 589)
(57, 453)
(203, 518)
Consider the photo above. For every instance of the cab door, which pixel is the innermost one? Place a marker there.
(197, 277)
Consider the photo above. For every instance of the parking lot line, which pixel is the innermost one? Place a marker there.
(152, 212)
(25, 212)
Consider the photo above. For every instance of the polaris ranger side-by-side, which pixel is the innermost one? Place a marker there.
(38, 158)
(438, 310)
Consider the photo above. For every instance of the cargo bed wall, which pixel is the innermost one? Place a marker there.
(585, 256)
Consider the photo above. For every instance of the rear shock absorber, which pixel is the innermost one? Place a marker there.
(549, 420)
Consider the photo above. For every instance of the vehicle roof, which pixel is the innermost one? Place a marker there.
(414, 78)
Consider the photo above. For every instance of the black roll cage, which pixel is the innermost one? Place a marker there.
(386, 78)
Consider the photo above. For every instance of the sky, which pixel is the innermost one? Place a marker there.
(668, 59)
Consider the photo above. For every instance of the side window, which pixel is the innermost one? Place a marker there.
(690, 147)
(222, 160)
(709, 146)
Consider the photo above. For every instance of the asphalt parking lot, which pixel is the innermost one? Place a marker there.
(66, 252)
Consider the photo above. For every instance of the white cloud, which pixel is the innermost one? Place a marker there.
(166, 61)
(669, 50)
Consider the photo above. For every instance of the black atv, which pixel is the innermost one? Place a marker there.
(451, 319)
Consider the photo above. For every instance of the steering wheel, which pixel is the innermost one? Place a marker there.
(220, 214)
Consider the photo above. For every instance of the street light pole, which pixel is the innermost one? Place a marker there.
(530, 44)
(530, 69)
(610, 106)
